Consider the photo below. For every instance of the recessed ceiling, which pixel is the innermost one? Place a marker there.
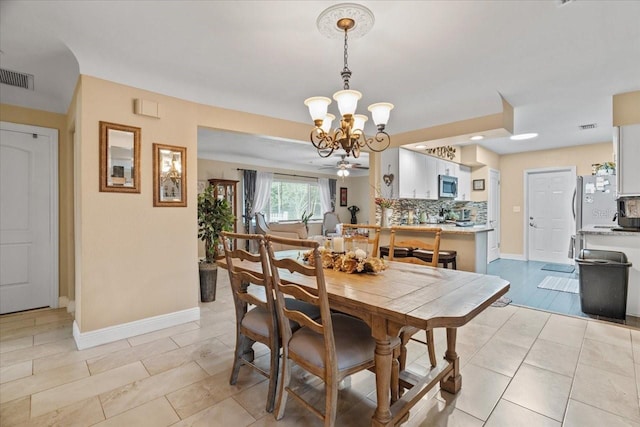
(438, 62)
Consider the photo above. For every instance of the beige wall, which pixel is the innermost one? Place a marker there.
(14, 114)
(626, 108)
(512, 167)
(136, 261)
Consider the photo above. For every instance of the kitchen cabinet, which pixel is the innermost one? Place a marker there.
(431, 177)
(626, 145)
(409, 167)
(407, 174)
(464, 183)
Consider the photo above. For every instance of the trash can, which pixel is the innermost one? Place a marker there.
(604, 279)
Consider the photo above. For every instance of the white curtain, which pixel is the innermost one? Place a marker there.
(325, 194)
(263, 191)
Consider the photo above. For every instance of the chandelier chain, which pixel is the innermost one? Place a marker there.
(346, 72)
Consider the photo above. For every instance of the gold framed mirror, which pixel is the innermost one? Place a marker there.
(119, 158)
(169, 175)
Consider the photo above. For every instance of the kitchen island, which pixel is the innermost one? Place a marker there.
(619, 241)
(469, 242)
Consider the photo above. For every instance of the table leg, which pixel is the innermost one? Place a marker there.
(453, 383)
(382, 414)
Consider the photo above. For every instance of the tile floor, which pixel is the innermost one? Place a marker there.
(520, 367)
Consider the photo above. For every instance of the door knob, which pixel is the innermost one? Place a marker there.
(530, 217)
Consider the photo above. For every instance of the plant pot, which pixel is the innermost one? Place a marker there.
(208, 281)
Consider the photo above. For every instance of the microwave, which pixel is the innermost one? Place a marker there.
(447, 186)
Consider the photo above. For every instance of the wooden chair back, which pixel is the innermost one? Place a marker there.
(241, 279)
(416, 243)
(251, 288)
(373, 237)
(280, 268)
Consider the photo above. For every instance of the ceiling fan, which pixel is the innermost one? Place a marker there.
(343, 166)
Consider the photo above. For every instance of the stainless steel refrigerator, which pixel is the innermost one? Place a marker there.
(594, 204)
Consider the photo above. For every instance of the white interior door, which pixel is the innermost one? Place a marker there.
(493, 216)
(549, 218)
(28, 218)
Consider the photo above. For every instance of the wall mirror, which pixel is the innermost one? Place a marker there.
(169, 175)
(119, 158)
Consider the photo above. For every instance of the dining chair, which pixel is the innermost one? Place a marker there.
(332, 347)
(349, 231)
(259, 323)
(417, 245)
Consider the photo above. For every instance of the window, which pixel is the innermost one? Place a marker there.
(291, 198)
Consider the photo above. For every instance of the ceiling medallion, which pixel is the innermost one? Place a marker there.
(361, 16)
(443, 152)
(346, 19)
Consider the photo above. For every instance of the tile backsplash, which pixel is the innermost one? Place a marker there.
(433, 207)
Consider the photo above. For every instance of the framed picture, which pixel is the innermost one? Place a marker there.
(343, 196)
(478, 184)
(119, 158)
(169, 175)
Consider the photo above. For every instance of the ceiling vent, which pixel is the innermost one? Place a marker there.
(13, 78)
(589, 126)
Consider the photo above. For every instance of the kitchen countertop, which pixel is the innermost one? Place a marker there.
(607, 231)
(453, 229)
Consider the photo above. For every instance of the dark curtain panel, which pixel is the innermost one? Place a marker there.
(249, 185)
(332, 193)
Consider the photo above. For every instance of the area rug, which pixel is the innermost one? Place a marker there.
(562, 268)
(501, 302)
(562, 284)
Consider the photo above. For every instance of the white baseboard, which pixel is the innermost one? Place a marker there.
(517, 257)
(138, 327)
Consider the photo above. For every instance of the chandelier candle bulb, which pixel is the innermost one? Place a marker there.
(326, 123)
(318, 106)
(347, 101)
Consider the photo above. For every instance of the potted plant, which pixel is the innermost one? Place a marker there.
(214, 216)
(305, 219)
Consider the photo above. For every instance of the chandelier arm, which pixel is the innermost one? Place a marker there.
(381, 138)
(320, 139)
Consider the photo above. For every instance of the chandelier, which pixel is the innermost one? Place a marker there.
(349, 136)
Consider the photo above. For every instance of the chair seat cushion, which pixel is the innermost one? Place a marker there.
(354, 344)
(398, 251)
(257, 319)
(429, 253)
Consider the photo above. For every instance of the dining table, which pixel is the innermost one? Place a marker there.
(404, 296)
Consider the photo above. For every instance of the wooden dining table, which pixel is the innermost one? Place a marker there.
(408, 295)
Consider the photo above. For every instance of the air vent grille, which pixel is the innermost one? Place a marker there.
(13, 78)
(588, 126)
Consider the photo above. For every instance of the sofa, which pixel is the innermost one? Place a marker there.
(291, 230)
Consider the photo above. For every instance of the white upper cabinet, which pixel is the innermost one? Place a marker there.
(407, 174)
(464, 183)
(626, 145)
(431, 177)
(389, 163)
